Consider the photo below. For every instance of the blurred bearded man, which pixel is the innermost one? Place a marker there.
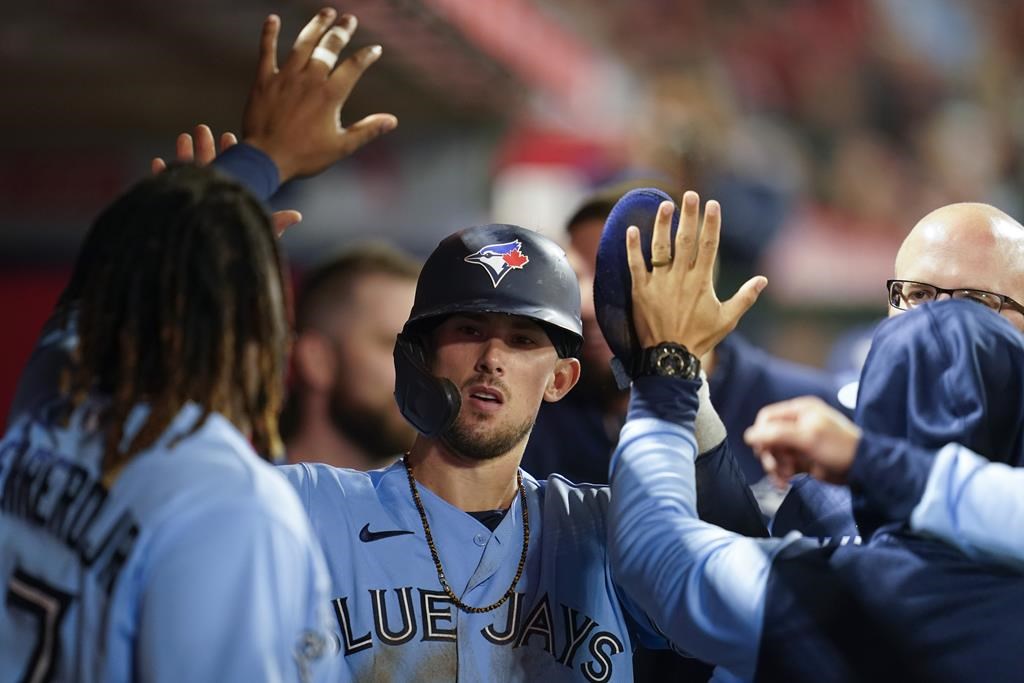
(341, 409)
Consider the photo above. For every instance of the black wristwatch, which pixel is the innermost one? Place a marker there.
(668, 359)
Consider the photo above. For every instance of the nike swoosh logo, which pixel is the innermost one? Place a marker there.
(367, 536)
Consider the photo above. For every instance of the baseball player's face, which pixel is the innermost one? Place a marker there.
(362, 403)
(504, 366)
(966, 246)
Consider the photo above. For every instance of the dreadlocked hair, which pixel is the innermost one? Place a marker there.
(187, 306)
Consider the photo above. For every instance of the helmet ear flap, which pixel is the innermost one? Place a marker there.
(429, 403)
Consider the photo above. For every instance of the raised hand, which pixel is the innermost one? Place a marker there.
(804, 435)
(201, 151)
(675, 301)
(294, 113)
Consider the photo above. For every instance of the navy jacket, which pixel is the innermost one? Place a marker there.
(951, 371)
(952, 374)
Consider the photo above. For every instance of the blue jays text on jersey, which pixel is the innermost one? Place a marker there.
(401, 615)
(566, 620)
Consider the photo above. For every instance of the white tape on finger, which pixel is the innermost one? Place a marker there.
(324, 55)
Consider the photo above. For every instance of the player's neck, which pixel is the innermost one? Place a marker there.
(470, 485)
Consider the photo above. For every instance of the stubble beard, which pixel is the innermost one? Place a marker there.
(479, 441)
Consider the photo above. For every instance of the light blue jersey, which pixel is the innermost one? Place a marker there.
(705, 586)
(974, 504)
(196, 565)
(565, 622)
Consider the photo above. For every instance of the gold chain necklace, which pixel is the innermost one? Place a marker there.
(437, 560)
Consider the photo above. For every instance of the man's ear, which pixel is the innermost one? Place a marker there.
(563, 378)
(315, 361)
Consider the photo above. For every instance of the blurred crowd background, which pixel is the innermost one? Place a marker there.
(826, 128)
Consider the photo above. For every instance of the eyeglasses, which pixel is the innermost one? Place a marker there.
(906, 294)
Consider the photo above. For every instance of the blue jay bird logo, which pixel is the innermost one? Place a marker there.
(499, 259)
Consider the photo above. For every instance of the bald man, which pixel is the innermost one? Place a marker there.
(964, 251)
(969, 250)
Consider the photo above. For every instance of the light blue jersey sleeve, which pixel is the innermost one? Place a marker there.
(703, 586)
(234, 595)
(974, 504)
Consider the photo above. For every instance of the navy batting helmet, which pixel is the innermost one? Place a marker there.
(486, 269)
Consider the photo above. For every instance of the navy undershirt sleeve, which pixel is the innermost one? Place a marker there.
(667, 398)
(251, 167)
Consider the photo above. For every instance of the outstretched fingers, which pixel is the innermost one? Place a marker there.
(741, 302)
(184, 151)
(365, 130)
(635, 257)
(282, 220)
(661, 236)
(686, 237)
(267, 66)
(227, 141)
(205, 149)
(707, 252)
(295, 115)
(309, 38)
(348, 73)
(325, 55)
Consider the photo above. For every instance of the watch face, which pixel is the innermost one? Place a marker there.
(669, 360)
(673, 360)
(670, 363)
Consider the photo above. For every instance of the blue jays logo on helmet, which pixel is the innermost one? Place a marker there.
(499, 259)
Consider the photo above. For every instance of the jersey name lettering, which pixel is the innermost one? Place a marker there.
(49, 491)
